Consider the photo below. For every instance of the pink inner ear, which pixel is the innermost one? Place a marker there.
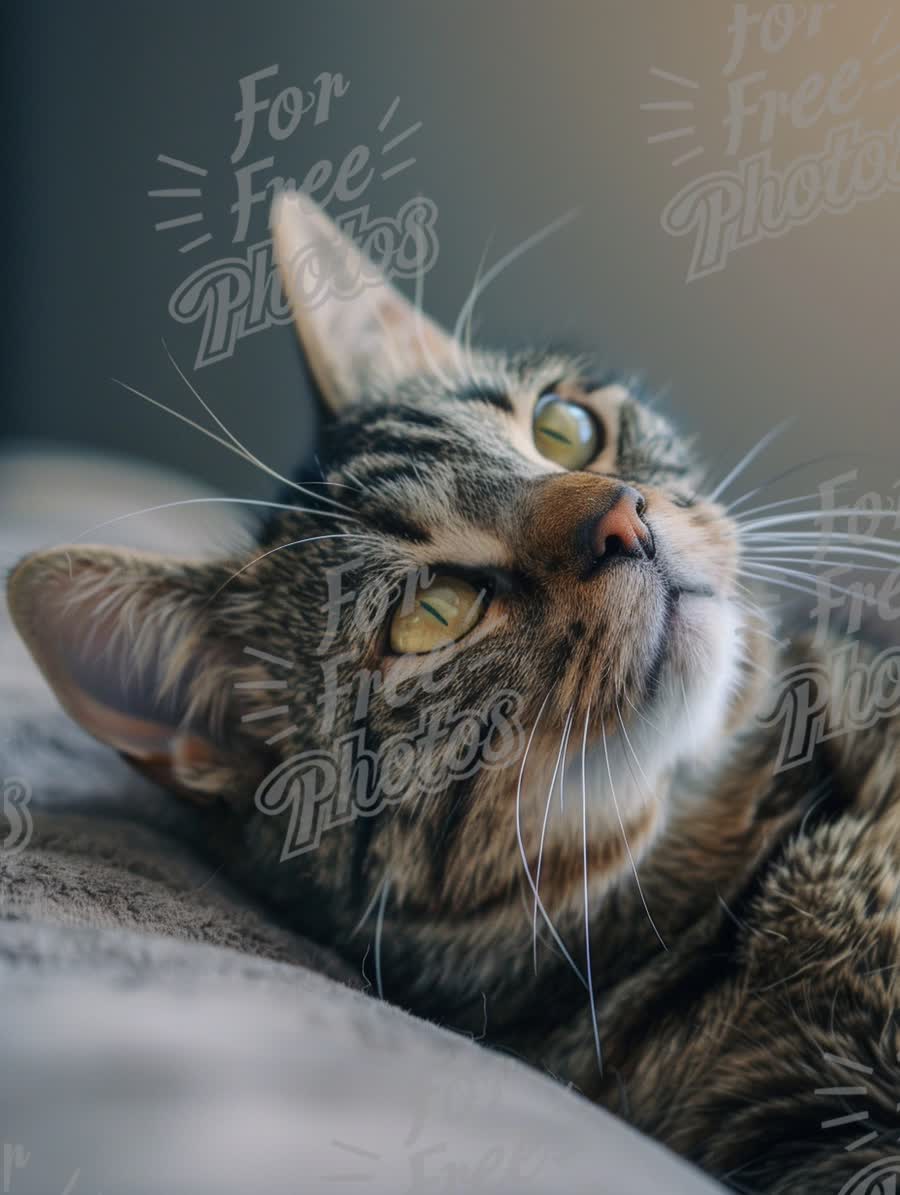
(138, 737)
(103, 660)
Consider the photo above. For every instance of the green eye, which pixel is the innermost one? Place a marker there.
(439, 614)
(565, 432)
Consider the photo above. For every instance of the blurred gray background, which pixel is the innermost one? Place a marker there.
(527, 109)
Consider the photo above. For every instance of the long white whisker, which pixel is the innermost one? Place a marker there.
(769, 580)
(842, 512)
(507, 260)
(379, 927)
(632, 750)
(243, 447)
(376, 896)
(784, 542)
(522, 852)
(562, 775)
(770, 481)
(806, 576)
(184, 418)
(760, 446)
(641, 715)
(197, 501)
(845, 564)
(312, 539)
(637, 881)
(587, 903)
(755, 510)
(467, 343)
(537, 878)
(754, 612)
(419, 322)
(815, 539)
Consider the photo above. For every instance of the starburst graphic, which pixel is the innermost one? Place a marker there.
(391, 145)
(842, 1093)
(674, 105)
(846, 1091)
(181, 193)
(254, 686)
(194, 193)
(682, 104)
(888, 56)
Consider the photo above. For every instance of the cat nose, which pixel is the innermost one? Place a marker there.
(620, 530)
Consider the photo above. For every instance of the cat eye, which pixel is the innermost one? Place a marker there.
(565, 432)
(437, 615)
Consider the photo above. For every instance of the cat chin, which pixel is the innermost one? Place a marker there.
(699, 678)
(684, 723)
(630, 766)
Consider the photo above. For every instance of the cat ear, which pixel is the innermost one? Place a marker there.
(354, 326)
(126, 642)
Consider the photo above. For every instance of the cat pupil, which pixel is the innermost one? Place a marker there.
(546, 431)
(435, 613)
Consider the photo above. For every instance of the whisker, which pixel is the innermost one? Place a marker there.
(537, 878)
(755, 510)
(523, 854)
(243, 447)
(379, 927)
(632, 750)
(467, 344)
(770, 481)
(197, 501)
(767, 580)
(178, 415)
(800, 588)
(369, 907)
(804, 515)
(803, 575)
(420, 321)
(293, 544)
(562, 775)
(507, 260)
(764, 631)
(809, 559)
(587, 903)
(833, 540)
(641, 715)
(760, 446)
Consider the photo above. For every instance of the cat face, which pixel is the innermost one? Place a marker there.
(522, 527)
(503, 583)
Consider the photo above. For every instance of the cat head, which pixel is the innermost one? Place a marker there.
(504, 582)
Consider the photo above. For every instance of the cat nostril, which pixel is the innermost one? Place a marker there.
(621, 531)
(613, 546)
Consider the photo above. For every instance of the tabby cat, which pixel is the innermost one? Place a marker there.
(489, 709)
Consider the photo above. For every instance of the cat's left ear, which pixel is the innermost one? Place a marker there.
(128, 642)
(355, 327)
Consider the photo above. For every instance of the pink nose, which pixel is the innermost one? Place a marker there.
(621, 531)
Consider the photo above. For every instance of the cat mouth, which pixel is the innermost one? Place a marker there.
(679, 591)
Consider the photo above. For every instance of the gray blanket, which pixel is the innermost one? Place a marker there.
(160, 1034)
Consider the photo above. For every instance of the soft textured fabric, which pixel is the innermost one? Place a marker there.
(160, 1033)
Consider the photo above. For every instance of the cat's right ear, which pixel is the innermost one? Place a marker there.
(355, 327)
